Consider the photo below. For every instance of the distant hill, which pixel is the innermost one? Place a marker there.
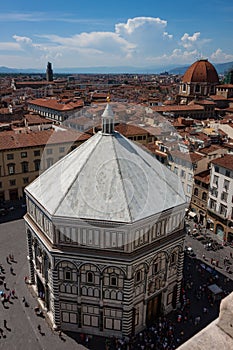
(88, 70)
(221, 68)
(7, 70)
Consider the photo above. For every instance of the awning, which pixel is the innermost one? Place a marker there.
(215, 289)
(192, 214)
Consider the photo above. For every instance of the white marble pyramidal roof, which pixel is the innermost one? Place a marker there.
(108, 178)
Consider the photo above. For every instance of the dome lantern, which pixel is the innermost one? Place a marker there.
(108, 120)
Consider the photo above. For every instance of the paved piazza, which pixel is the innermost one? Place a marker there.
(22, 322)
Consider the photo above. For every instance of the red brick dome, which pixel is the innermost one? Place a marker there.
(201, 71)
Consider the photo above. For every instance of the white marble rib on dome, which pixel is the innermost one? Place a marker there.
(107, 178)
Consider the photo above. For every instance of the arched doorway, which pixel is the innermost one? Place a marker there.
(220, 232)
(153, 309)
(201, 217)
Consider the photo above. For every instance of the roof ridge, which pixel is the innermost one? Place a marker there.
(77, 174)
(121, 177)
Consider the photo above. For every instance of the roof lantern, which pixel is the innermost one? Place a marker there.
(108, 120)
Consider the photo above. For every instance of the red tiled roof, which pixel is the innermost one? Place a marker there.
(218, 98)
(210, 149)
(204, 176)
(226, 86)
(177, 108)
(130, 130)
(195, 157)
(11, 140)
(60, 105)
(33, 119)
(225, 161)
(25, 83)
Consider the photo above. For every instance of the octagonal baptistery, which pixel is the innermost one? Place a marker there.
(105, 236)
(199, 80)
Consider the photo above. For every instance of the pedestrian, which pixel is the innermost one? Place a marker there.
(60, 334)
(13, 293)
(5, 323)
(11, 270)
(4, 284)
(25, 279)
(39, 328)
(23, 299)
(231, 255)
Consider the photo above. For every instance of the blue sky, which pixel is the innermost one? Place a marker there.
(141, 33)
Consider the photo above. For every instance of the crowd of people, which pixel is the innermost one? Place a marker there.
(7, 295)
(160, 336)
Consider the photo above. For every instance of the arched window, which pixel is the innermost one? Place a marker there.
(67, 274)
(173, 258)
(138, 276)
(113, 280)
(204, 196)
(90, 277)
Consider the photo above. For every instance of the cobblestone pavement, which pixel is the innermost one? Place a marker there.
(22, 323)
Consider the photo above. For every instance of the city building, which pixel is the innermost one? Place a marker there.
(25, 153)
(55, 109)
(220, 205)
(184, 165)
(105, 235)
(199, 81)
(49, 72)
(200, 196)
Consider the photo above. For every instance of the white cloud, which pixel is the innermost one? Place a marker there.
(166, 35)
(22, 39)
(219, 56)
(139, 41)
(188, 40)
(9, 46)
(101, 41)
(136, 23)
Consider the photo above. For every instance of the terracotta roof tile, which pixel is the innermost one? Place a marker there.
(60, 105)
(225, 161)
(11, 140)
